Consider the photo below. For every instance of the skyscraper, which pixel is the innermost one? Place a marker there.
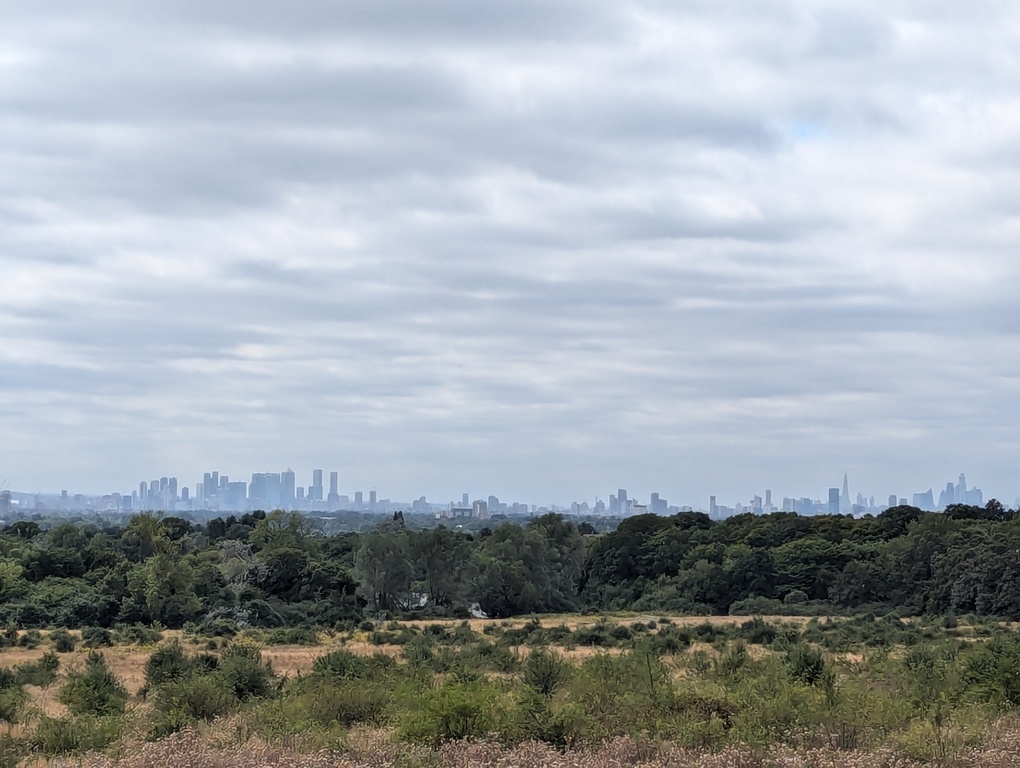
(834, 501)
(287, 485)
(315, 489)
(844, 499)
(334, 494)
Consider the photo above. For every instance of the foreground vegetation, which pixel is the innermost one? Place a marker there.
(660, 690)
(263, 640)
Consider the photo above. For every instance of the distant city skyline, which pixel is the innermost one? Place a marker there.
(279, 490)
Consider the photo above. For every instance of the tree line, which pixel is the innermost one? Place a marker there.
(282, 569)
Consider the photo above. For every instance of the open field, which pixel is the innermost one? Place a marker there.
(617, 689)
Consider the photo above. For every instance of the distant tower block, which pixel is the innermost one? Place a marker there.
(833, 501)
(315, 491)
(334, 494)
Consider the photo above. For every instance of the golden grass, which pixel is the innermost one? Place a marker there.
(376, 749)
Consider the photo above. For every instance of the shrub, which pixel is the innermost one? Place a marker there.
(989, 670)
(347, 704)
(242, 670)
(166, 664)
(620, 632)
(757, 631)
(96, 637)
(73, 736)
(732, 661)
(137, 634)
(181, 702)
(545, 671)
(806, 664)
(31, 639)
(12, 704)
(40, 673)
(9, 638)
(452, 712)
(63, 641)
(340, 664)
(597, 635)
(94, 690)
(670, 640)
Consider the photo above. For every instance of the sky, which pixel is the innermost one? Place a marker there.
(540, 249)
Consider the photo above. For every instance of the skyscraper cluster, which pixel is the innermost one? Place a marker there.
(266, 490)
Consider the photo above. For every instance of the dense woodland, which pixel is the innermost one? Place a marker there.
(280, 569)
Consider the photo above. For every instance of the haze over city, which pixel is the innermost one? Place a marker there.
(535, 250)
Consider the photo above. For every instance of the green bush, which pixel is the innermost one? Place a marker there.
(757, 631)
(241, 669)
(95, 690)
(340, 664)
(453, 711)
(96, 637)
(31, 639)
(545, 671)
(63, 641)
(12, 704)
(137, 634)
(12, 750)
(671, 640)
(54, 736)
(990, 671)
(347, 703)
(167, 663)
(181, 702)
(806, 664)
(40, 673)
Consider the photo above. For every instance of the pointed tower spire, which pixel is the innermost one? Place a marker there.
(845, 501)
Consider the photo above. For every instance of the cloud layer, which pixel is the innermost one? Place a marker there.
(537, 249)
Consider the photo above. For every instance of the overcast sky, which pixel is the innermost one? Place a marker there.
(540, 248)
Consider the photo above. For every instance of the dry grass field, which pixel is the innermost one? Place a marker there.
(127, 662)
(237, 740)
(375, 750)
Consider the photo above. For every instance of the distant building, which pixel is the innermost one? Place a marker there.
(315, 489)
(334, 494)
(288, 489)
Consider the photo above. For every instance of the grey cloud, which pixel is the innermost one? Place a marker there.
(693, 248)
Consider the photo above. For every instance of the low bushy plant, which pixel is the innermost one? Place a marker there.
(95, 690)
(545, 671)
(242, 670)
(62, 640)
(454, 711)
(340, 664)
(54, 736)
(137, 634)
(167, 663)
(40, 673)
(182, 702)
(96, 637)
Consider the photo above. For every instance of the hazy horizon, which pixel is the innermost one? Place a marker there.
(538, 249)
